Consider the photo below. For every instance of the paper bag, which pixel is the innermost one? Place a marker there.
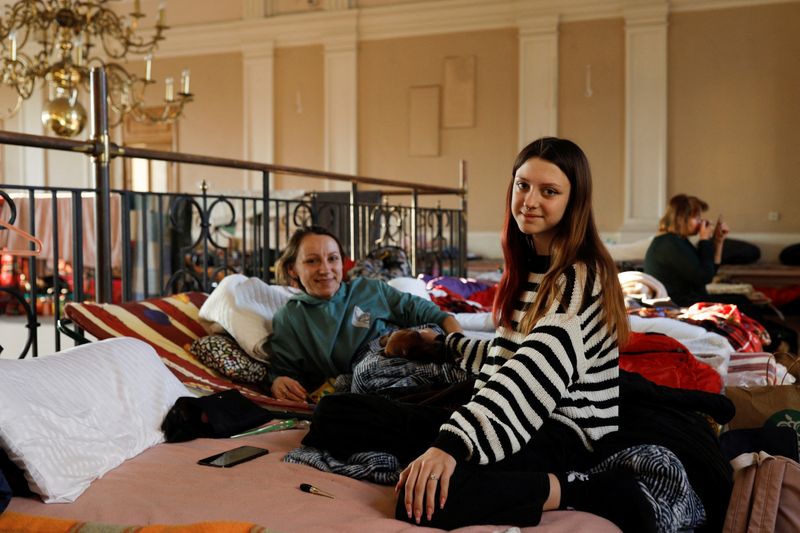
(771, 405)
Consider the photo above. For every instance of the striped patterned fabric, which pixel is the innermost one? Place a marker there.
(665, 482)
(170, 324)
(752, 369)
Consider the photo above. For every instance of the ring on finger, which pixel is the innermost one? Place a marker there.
(433, 477)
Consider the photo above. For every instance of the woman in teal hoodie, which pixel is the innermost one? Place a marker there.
(319, 331)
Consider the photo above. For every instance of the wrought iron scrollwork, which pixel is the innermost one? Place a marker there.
(187, 277)
(31, 322)
(12, 207)
(303, 214)
(31, 319)
(435, 252)
(391, 221)
(325, 214)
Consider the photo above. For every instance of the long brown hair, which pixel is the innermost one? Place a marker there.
(680, 209)
(576, 240)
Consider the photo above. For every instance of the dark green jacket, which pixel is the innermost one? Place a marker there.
(683, 268)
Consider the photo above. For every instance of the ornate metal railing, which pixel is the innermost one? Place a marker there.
(150, 244)
(163, 243)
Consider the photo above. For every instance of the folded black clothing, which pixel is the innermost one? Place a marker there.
(218, 415)
(5, 493)
(14, 476)
(670, 417)
(635, 389)
(773, 440)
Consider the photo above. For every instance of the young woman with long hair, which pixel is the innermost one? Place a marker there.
(546, 386)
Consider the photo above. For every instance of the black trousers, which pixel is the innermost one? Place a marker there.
(511, 491)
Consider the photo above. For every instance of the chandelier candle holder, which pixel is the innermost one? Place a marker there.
(58, 41)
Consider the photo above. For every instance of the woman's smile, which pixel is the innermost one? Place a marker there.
(540, 196)
(318, 267)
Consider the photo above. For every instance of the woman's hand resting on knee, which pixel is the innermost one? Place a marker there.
(286, 388)
(421, 478)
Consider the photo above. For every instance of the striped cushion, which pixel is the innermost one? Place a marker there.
(170, 324)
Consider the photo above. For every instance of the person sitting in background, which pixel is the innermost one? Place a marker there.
(318, 333)
(685, 269)
(682, 267)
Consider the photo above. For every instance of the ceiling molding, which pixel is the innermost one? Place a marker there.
(644, 14)
(443, 16)
(408, 20)
(681, 6)
(284, 31)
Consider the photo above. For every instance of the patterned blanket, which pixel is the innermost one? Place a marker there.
(374, 372)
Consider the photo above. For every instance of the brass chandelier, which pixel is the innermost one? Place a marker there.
(66, 38)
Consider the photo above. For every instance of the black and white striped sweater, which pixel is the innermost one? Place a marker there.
(566, 368)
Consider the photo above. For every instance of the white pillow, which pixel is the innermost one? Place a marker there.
(68, 418)
(410, 285)
(244, 307)
(476, 321)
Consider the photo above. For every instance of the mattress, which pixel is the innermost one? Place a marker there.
(165, 485)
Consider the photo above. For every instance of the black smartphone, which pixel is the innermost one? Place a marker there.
(233, 457)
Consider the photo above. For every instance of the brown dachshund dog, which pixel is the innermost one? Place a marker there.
(410, 344)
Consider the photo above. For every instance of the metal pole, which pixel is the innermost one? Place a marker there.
(354, 252)
(414, 207)
(462, 184)
(265, 220)
(101, 160)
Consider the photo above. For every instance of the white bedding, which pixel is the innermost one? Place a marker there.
(68, 418)
(244, 307)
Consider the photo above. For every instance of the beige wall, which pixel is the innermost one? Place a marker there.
(213, 123)
(387, 69)
(733, 109)
(378, 3)
(299, 113)
(591, 107)
(734, 113)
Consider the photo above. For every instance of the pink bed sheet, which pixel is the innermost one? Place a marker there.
(164, 485)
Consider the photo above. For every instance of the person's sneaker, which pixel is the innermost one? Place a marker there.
(615, 495)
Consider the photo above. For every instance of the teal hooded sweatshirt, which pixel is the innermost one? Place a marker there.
(315, 339)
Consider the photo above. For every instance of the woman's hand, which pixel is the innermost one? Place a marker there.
(286, 388)
(451, 325)
(428, 335)
(721, 230)
(421, 477)
(706, 230)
